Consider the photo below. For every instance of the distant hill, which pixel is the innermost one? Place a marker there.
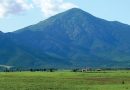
(73, 38)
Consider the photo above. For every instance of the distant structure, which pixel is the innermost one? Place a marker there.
(86, 69)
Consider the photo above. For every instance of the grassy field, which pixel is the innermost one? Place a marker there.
(109, 80)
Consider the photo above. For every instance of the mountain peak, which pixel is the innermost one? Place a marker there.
(74, 15)
(76, 10)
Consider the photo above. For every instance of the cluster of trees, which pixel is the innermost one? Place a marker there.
(14, 69)
(43, 70)
(21, 69)
(86, 69)
(97, 69)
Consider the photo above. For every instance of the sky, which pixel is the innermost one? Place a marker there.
(17, 14)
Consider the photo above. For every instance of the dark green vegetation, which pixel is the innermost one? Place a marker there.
(70, 39)
(108, 80)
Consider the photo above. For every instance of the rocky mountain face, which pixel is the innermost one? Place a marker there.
(70, 39)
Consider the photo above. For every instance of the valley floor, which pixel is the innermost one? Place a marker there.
(108, 80)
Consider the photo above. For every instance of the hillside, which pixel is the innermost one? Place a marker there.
(73, 38)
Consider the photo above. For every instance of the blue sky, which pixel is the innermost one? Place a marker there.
(16, 14)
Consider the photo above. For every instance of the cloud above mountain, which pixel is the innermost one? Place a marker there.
(51, 7)
(48, 7)
(8, 7)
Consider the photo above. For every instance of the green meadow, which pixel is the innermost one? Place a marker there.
(102, 80)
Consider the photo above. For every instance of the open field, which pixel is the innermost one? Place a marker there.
(109, 80)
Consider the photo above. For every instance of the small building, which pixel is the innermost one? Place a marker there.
(86, 69)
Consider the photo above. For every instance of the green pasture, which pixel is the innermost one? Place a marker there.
(102, 80)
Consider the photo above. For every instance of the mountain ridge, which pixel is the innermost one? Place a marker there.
(73, 38)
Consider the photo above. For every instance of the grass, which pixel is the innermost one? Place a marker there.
(109, 80)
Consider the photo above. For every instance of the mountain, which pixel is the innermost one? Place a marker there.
(70, 39)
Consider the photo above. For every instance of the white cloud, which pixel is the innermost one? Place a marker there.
(2, 11)
(48, 7)
(52, 7)
(13, 7)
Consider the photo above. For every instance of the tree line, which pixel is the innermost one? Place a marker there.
(28, 69)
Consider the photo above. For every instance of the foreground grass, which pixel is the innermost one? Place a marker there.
(112, 80)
